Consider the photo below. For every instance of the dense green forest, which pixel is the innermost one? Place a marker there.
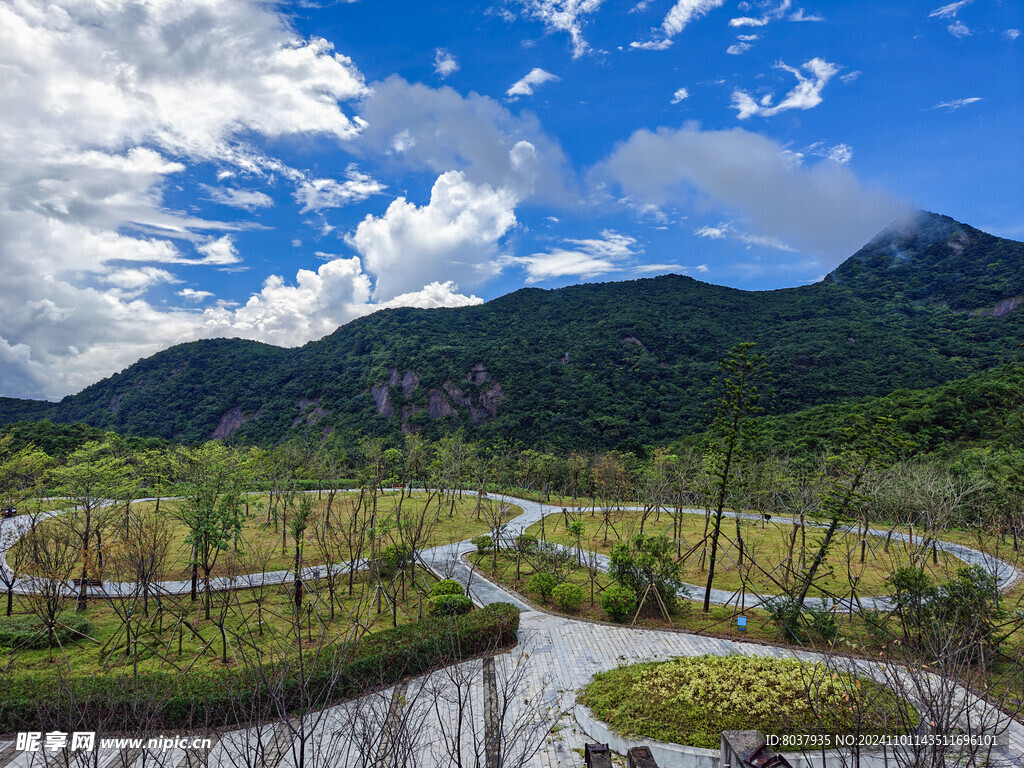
(597, 366)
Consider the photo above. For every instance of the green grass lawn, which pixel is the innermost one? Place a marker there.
(264, 544)
(766, 551)
(255, 621)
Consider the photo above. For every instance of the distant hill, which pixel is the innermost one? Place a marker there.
(598, 365)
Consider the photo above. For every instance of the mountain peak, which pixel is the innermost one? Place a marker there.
(935, 259)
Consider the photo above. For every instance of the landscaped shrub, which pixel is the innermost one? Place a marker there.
(211, 699)
(449, 605)
(785, 615)
(447, 587)
(619, 602)
(645, 561)
(567, 596)
(692, 700)
(483, 544)
(526, 542)
(393, 558)
(542, 584)
(26, 632)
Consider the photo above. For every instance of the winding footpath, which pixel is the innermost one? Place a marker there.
(415, 723)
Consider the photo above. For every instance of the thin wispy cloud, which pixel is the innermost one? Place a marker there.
(767, 17)
(584, 258)
(802, 15)
(806, 94)
(959, 30)
(949, 11)
(951, 106)
(526, 85)
(681, 14)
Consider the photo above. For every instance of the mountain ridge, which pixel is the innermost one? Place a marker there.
(601, 365)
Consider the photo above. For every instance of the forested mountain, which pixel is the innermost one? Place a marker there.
(597, 365)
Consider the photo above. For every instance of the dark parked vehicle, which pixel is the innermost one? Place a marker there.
(8, 512)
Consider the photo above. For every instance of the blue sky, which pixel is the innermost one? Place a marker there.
(271, 171)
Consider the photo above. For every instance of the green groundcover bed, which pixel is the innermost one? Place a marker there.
(691, 700)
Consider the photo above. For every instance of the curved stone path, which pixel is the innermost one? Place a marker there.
(447, 558)
(414, 724)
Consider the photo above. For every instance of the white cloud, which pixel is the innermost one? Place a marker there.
(840, 153)
(219, 251)
(681, 14)
(1012, 34)
(747, 38)
(772, 14)
(959, 30)
(432, 296)
(441, 130)
(702, 267)
(714, 233)
(748, 21)
(104, 105)
(820, 209)
(318, 194)
(949, 11)
(133, 280)
(535, 78)
(679, 95)
(737, 48)
(801, 15)
(849, 77)
(729, 230)
(246, 199)
(458, 231)
(191, 294)
(581, 258)
(805, 95)
(957, 103)
(564, 16)
(444, 63)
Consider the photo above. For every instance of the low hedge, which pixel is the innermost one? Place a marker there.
(161, 700)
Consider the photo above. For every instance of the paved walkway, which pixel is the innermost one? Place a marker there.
(527, 695)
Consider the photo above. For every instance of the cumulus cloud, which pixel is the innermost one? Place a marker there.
(737, 48)
(457, 231)
(681, 14)
(820, 209)
(525, 86)
(318, 194)
(957, 103)
(564, 16)
(679, 95)
(806, 94)
(1012, 34)
(583, 258)
(439, 130)
(108, 104)
(246, 199)
(444, 63)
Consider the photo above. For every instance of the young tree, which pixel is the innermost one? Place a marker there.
(212, 507)
(92, 479)
(741, 375)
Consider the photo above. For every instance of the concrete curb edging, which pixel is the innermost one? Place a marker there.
(671, 755)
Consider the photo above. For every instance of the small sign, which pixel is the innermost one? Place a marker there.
(741, 623)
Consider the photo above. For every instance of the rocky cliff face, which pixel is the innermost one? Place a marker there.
(477, 396)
